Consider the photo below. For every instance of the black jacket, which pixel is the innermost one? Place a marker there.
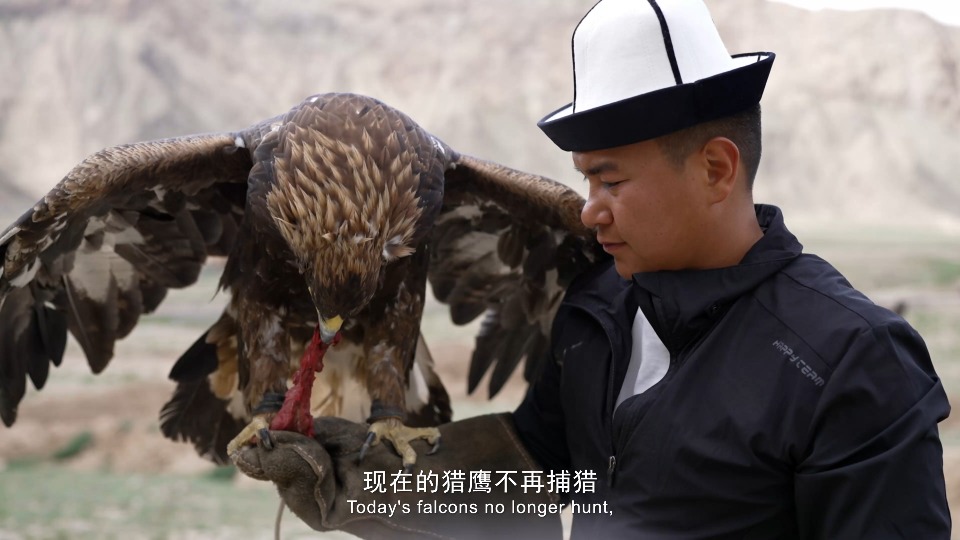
(793, 406)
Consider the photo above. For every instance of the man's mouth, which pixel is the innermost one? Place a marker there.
(610, 247)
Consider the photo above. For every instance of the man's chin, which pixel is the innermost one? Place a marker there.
(626, 270)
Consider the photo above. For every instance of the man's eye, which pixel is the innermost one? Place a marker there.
(609, 185)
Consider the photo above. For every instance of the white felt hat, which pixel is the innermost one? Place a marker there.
(645, 68)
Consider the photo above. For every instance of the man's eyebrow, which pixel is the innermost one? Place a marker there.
(599, 168)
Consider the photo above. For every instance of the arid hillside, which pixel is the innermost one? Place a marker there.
(862, 112)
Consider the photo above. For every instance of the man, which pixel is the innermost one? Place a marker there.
(719, 382)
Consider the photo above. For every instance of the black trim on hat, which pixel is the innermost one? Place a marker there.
(662, 111)
(667, 42)
(573, 50)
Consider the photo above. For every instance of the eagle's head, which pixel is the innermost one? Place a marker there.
(345, 215)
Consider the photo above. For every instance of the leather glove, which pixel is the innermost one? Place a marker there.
(318, 478)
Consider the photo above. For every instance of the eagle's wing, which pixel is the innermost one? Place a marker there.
(507, 243)
(106, 243)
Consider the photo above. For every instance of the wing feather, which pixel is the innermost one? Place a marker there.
(35, 338)
(52, 331)
(507, 243)
(105, 244)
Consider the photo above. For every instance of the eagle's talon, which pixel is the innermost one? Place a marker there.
(408, 468)
(370, 441)
(251, 432)
(266, 441)
(434, 448)
(400, 436)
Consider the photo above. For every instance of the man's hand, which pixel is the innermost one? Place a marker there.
(323, 483)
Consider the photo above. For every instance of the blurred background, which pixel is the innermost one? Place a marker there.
(862, 152)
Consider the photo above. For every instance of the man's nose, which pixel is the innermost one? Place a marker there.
(595, 214)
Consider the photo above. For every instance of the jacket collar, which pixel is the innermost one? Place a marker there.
(681, 304)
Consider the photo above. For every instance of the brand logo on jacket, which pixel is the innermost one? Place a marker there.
(797, 362)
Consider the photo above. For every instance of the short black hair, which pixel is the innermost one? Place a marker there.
(743, 128)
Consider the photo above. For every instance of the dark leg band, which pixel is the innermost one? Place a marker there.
(271, 403)
(379, 411)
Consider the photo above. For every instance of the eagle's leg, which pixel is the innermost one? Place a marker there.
(400, 436)
(388, 363)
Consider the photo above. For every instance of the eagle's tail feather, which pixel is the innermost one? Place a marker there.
(436, 410)
(441, 402)
(195, 413)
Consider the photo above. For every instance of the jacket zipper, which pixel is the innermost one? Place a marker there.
(611, 470)
(612, 461)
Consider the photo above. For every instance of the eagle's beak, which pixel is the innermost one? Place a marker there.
(329, 328)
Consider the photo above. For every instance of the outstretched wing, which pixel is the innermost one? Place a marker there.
(106, 243)
(507, 244)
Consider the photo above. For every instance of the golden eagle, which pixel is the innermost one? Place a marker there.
(332, 217)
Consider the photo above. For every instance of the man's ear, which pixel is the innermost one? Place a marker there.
(721, 159)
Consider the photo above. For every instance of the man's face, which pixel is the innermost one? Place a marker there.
(648, 213)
